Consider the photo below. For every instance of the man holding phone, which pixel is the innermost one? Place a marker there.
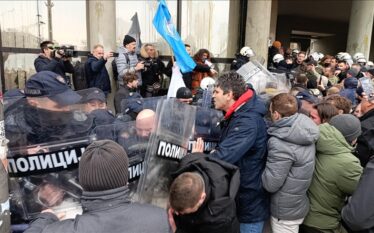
(96, 72)
(127, 61)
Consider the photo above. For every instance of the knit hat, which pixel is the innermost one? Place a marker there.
(277, 44)
(348, 125)
(128, 39)
(103, 166)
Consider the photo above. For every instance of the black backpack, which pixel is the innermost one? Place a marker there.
(79, 76)
(114, 66)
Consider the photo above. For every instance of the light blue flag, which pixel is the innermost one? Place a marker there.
(164, 25)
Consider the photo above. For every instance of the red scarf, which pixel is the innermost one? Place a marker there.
(242, 100)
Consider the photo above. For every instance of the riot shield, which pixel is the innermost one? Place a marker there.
(130, 137)
(207, 128)
(45, 145)
(45, 176)
(168, 144)
(263, 82)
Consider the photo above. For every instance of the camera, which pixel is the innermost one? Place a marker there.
(115, 54)
(66, 51)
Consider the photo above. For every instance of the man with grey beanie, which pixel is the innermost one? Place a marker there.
(103, 175)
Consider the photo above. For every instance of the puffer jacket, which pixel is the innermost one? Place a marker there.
(124, 66)
(290, 165)
(106, 211)
(97, 74)
(243, 143)
(336, 176)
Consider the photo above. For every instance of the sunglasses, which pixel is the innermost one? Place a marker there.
(51, 47)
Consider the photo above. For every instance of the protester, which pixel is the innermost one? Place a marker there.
(103, 175)
(337, 172)
(145, 123)
(290, 163)
(127, 61)
(343, 105)
(358, 214)
(202, 196)
(243, 143)
(365, 146)
(96, 72)
(323, 112)
(125, 91)
(202, 57)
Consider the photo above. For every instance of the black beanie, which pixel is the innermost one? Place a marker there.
(128, 39)
(103, 166)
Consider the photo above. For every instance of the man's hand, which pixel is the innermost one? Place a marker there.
(171, 219)
(198, 146)
(139, 66)
(58, 215)
(108, 55)
(213, 71)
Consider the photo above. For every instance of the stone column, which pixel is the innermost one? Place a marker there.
(360, 27)
(101, 29)
(273, 20)
(258, 27)
(232, 45)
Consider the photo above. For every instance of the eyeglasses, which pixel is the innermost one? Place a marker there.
(51, 47)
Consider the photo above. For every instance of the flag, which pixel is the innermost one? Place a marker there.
(164, 25)
(135, 31)
(176, 81)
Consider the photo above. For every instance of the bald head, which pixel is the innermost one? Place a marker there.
(145, 123)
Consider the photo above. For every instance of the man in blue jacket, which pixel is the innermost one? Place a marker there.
(96, 72)
(243, 143)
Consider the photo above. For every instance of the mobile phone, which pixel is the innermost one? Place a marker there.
(115, 54)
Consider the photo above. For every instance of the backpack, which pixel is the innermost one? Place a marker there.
(79, 76)
(114, 66)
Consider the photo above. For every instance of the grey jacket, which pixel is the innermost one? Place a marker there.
(290, 165)
(124, 66)
(106, 211)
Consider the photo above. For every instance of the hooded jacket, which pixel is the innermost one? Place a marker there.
(243, 143)
(106, 211)
(365, 142)
(97, 74)
(218, 212)
(290, 165)
(336, 176)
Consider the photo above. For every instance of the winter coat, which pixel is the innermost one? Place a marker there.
(106, 211)
(358, 214)
(124, 93)
(197, 76)
(365, 143)
(336, 176)
(55, 65)
(243, 143)
(290, 165)
(218, 213)
(124, 66)
(97, 74)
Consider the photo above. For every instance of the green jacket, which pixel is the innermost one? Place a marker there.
(336, 176)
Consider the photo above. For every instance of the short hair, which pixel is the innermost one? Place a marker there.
(186, 190)
(340, 102)
(302, 52)
(98, 46)
(285, 104)
(326, 111)
(129, 77)
(187, 45)
(232, 81)
(301, 78)
(45, 44)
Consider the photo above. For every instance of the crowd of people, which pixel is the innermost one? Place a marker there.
(301, 161)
